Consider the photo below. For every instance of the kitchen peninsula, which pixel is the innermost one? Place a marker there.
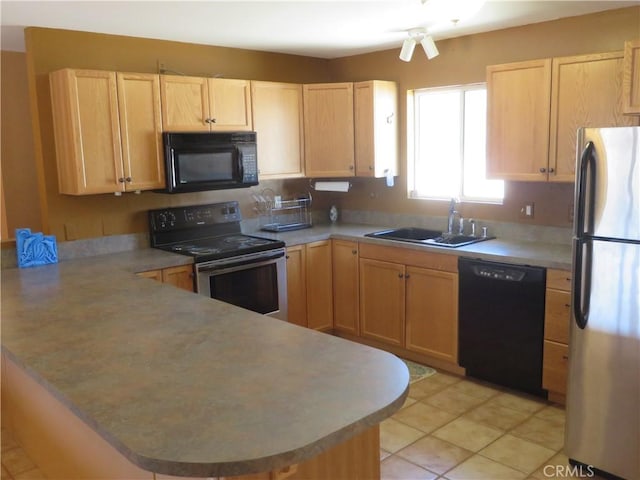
(108, 374)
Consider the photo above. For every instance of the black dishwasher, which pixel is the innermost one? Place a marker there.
(501, 323)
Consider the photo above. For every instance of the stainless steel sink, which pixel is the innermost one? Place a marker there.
(427, 237)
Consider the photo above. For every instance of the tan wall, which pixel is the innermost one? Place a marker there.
(19, 181)
(463, 60)
(70, 217)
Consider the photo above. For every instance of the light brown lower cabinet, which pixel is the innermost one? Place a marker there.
(309, 285)
(555, 364)
(557, 317)
(181, 276)
(409, 299)
(345, 286)
(382, 296)
(431, 314)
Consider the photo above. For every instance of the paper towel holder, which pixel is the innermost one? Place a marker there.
(327, 183)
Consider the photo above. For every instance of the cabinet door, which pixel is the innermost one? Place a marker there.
(376, 128)
(87, 132)
(432, 313)
(557, 315)
(586, 91)
(152, 274)
(554, 367)
(328, 130)
(229, 104)
(296, 286)
(518, 99)
(631, 77)
(181, 277)
(141, 130)
(382, 294)
(345, 286)
(185, 103)
(319, 285)
(277, 119)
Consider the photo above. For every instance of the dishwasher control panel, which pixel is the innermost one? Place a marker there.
(498, 273)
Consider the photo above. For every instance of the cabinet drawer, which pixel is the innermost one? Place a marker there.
(407, 256)
(559, 279)
(554, 367)
(557, 315)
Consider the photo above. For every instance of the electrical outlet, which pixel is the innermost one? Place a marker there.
(161, 66)
(527, 211)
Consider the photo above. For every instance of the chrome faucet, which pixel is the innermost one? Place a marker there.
(452, 215)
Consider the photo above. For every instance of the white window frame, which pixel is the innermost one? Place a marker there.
(413, 145)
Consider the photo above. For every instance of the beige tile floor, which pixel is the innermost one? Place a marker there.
(456, 428)
(450, 428)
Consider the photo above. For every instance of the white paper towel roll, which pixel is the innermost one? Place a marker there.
(332, 186)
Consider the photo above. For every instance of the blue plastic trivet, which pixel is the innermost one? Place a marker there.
(34, 249)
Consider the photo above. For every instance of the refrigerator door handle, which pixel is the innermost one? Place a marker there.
(583, 248)
(585, 194)
(582, 261)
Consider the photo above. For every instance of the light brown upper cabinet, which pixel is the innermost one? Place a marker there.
(376, 128)
(535, 108)
(631, 77)
(107, 130)
(205, 104)
(277, 119)
(585, 92)
(518, 99)
(328, 130)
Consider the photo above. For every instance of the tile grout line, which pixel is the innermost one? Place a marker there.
(499, 390)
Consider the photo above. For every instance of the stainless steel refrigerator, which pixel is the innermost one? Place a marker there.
(603, 399)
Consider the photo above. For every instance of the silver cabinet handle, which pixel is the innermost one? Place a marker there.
(543, 170)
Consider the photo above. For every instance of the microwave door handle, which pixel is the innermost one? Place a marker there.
(239, 156)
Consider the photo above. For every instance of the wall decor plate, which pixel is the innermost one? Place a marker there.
(34, 249)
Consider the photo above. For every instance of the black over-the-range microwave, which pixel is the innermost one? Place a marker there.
(198, 161)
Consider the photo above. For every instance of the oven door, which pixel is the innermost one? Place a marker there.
(257, 282)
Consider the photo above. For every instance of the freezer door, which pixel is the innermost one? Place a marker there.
(614, 211)
(603, 398)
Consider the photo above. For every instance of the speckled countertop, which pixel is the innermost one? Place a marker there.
(185, 385)
(549, 255)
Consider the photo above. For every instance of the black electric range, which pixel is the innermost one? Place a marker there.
(205, 232)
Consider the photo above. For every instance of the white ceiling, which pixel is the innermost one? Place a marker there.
(317, 28)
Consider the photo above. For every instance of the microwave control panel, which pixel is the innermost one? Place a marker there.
(249, 164)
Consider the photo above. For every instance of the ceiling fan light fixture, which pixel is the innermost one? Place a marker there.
(407, 49)
(429, 47)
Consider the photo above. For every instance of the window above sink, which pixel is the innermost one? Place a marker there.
(446, 145)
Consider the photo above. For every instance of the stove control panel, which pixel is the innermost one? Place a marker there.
(194, 216)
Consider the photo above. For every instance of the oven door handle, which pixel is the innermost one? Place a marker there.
(253, 262)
